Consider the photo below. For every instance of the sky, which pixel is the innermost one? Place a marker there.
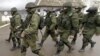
(8, 4)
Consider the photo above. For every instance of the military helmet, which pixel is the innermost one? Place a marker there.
(92, 9)
(67, 4)
(30, 5)
(14, 9)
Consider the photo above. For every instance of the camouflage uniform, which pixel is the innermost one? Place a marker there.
(15, 23)
(31, 30)
(50, 22)
(98, 28)
(64, 27)
(90, 22)
(76, 22)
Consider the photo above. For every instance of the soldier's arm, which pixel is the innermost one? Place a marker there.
(18, 21)
(12, 24)
(83, 21)
(54, 22)
(98, 25)
(98, 21)
(34, 23)
(59, 19)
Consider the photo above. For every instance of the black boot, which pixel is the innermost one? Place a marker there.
(70, 48)
(19, 43)
(14, 47)
(83, 47)
(92, 44)
(60, 47)
(14, 44)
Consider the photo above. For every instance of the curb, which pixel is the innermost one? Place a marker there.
(4, 25)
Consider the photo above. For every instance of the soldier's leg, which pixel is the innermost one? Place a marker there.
(85, 43)
(23, 50)
(74, 39)
(91, 41)
(14, 43)
(18, 38)
(89, 37)
(32, 44)
(44, 37)
(24, 47)
(60, 47)
(64, 39)
(75, 32)
(19, 42)
(54, 37)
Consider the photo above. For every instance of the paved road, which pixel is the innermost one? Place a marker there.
(48, 48)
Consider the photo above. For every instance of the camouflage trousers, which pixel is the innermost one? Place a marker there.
(29, 41)
(15, 39)
(64, 39)
(47, 33)
(74, 33)
(87, 37)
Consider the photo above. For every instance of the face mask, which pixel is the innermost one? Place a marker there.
(33, 10)
(12, 12)
(28, 10)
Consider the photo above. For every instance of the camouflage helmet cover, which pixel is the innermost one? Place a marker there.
(13, 9)
(30, 5)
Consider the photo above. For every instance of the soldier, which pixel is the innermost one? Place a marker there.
(30, 30)
(90, 22)
(76, 22)
(50, 22)
(15, 23)
(64, 27)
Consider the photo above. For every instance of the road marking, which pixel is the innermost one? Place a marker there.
(4, 25)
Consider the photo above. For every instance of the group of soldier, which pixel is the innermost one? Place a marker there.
(70, 21)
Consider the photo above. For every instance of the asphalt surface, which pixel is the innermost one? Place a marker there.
(48, 49)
